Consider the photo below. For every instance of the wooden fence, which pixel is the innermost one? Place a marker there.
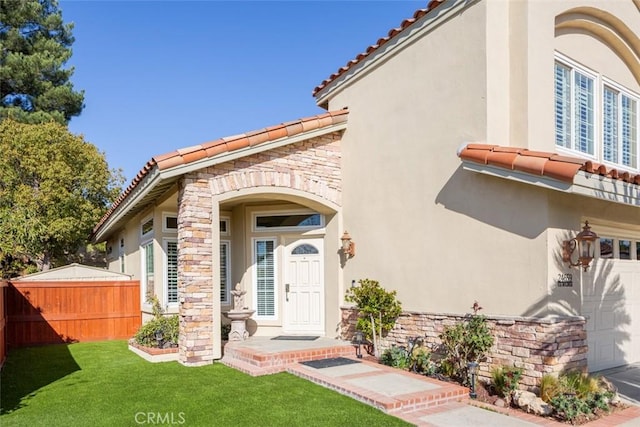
(4, 286)
(71, 311)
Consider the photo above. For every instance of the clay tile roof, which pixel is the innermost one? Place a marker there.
(184, 156)
(432, 4)
(541, 163)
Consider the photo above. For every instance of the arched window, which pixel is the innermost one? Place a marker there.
(304, 249)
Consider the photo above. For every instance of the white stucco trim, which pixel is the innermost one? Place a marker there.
(584, 184)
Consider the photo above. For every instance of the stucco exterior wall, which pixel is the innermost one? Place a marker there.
(443, 237)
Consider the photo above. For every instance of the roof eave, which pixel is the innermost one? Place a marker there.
(157, 176)
(139, 192)
(584, 184)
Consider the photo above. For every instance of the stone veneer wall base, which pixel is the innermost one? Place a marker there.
(537, 345)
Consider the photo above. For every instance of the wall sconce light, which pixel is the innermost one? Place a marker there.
(348, 245)
(585, 243)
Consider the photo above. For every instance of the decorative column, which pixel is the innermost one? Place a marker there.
(196, 290)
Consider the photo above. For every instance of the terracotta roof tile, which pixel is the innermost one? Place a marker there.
(432, 4)
(214, 148)
(503, 160)
(237, 143)
(277, 132)
(530, 164)
(194, 153)
(562, 171)
(552, 165)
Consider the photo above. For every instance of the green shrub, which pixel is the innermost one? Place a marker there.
(421, 361)
(167, 328)
(394, 356)
(580, 383)
(576, 394)
(569, 406)
(464, 342)
(378, 309)
(506, 380)
(550, 387)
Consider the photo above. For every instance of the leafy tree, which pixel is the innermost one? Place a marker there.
(54, 187)
(34, 46)
(378, 309)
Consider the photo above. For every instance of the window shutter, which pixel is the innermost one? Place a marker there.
(563, 105)
(584, 113)
(172, 272)
(224, 268)
(610, 125)
(629, 132)
(265, 277)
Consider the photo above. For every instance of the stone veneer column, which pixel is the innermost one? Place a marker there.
(196, 287)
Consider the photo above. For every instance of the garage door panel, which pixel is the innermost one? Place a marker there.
(612, 309)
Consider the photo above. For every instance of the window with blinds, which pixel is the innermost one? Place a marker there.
(577, 108)
(265, 277)
(172, 271)
(225, 287)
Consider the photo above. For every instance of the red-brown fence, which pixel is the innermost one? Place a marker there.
(4, 286)
(71, 311)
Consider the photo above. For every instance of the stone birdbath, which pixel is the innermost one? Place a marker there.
(238, 316)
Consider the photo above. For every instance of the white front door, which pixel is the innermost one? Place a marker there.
(304, 287)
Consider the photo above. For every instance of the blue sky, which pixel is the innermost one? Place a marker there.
(161, 75)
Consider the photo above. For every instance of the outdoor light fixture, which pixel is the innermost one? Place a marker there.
(348, 245)
(473, 372)
(585, 242)
(358, 340)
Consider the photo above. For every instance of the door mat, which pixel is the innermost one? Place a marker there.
(296, 337)
(329, 363)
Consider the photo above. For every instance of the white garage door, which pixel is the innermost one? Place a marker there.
(611, 301)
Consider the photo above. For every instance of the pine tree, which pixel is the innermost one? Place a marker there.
(35, 44)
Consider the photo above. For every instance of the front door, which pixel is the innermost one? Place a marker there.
(304, 287)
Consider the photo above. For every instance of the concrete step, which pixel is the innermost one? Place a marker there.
(262, 362)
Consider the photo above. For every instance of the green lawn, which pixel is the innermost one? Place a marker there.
(104, 384)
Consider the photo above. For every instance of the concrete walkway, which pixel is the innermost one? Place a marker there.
(426, 402)
(417, 399)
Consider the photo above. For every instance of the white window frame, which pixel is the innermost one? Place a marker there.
(574, 66)
(227, 222)
(600, 83)
(165, 272)
(166, 215)
(276, 291)
(622, 91)
(145, 240)
(143, 269)
(226, 300)
(148, 235)
(256, 229)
